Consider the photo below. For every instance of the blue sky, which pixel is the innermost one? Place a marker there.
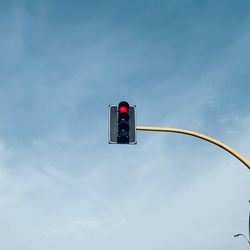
(183, 64)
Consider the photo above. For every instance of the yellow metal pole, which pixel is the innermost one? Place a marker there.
(201, 136)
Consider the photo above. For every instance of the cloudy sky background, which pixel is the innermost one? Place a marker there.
(183, 64)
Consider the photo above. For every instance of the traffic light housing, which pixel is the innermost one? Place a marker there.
(122, 128)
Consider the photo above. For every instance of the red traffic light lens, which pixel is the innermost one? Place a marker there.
(123, 109)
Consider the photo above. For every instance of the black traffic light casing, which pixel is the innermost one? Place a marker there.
(122, 127)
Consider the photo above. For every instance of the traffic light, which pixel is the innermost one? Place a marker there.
(122, 124)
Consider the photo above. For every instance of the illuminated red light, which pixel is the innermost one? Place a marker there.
(123, 109)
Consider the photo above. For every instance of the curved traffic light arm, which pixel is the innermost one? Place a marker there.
(201, 136)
